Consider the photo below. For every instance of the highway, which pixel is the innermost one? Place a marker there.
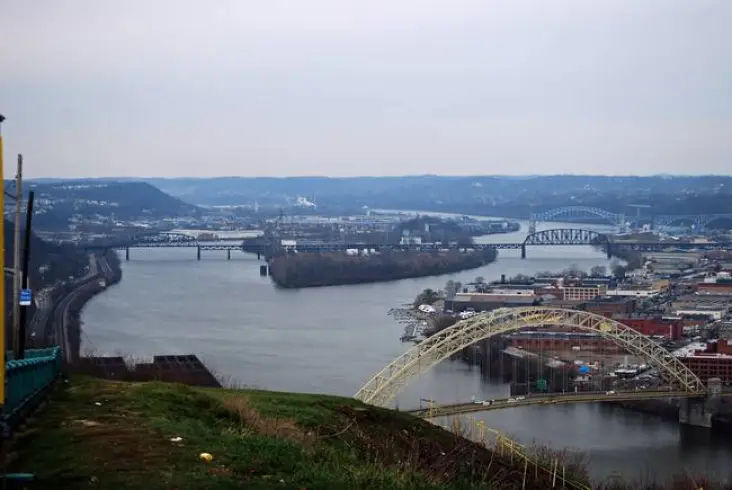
(60, 315)
(551, 398)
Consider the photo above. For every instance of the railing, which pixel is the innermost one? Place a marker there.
(27, 380)
(518, 455)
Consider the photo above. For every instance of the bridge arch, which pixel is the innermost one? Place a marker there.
(679, 219)
(391, 380)
(578, 211)
(710, 218)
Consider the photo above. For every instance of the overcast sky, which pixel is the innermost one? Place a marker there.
(377, 87)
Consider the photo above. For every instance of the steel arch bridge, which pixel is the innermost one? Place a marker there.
(387, 383)
(699, 220)
(579, 212)
(566, 236)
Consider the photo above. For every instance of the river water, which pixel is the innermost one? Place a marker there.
(332, 340)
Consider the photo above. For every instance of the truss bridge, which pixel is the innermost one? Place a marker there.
(676, 379)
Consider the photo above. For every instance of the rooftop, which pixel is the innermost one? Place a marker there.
(689, 350)
(494, 298)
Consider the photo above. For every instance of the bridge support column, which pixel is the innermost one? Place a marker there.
(523, 251)
(693, 411)
(259, 256)
(127, 253)
(228, 255)
(198, 253)
(698, 412)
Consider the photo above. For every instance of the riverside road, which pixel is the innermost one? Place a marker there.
(55, 321)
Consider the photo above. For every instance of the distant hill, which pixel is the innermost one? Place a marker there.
(514, 197)
(60, 204)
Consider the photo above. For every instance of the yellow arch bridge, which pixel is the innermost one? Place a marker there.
(678, 381)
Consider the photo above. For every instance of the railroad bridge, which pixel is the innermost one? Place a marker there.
(267, 248)
(678, 381)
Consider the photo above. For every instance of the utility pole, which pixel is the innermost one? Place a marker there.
(16, 259)
(3, 332)
(26, 262)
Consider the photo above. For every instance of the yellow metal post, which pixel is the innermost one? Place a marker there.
(3, 316)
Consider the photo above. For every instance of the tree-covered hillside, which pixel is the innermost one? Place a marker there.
(64, 203)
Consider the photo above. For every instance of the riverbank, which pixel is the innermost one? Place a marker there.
(333, 269)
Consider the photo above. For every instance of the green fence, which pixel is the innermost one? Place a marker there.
(27, 380)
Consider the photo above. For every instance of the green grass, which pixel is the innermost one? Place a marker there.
(258, 439)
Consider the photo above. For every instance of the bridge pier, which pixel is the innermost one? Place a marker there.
(692, 411)
(523, 250)
(698, 412)
(228, 254)
(198, 253)
(127, 253)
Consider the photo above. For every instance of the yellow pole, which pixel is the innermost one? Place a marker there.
(3, 331)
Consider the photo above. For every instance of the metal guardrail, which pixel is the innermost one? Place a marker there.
(27, 380)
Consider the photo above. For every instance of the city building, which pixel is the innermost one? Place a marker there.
(715, 288)
(654, 326)
(611, 306)
(553, 341)
(583, 293)
(711, 306)
(490, 301)
(710, 365)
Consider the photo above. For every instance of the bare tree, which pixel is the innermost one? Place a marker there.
(598, 271)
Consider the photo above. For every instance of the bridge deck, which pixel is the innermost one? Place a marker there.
(553, 398)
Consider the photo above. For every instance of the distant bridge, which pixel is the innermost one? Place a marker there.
(554, 237)
(700, 221)
(615, 219)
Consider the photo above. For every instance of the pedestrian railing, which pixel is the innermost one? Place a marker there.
(27, 381)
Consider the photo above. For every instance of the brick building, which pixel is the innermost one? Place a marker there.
(723, 288)
(561, 341)
(610, 307)
(670, 328)
(710, 365)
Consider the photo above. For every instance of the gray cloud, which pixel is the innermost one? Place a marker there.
(342, 87)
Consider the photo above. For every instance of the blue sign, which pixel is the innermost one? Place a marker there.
(25, 297)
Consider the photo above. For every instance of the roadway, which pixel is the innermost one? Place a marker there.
(60, 315)
(550, 398)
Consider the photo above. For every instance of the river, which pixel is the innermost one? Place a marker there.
(332, 340)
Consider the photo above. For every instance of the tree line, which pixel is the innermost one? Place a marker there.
(330, 269)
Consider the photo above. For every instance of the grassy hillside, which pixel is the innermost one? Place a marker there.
(258, 440)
